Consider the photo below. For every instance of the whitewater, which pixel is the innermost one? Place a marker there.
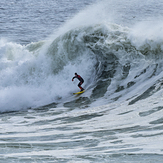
(116, 46)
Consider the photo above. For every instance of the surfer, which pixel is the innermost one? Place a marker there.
(80, 79)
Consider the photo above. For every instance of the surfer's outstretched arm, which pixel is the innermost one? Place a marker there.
(74, 78)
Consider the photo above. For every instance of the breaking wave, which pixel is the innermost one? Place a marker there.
(117, 63)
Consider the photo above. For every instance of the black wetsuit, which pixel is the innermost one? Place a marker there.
(80, 79)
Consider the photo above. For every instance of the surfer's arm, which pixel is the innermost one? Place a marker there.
(73, 78)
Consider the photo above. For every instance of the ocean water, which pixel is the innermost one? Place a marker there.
(116, 46)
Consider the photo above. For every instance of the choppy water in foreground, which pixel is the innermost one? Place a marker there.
(116, 47)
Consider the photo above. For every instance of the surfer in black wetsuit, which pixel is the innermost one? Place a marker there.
(80, 79)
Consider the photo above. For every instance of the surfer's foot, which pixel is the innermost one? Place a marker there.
(82, 89)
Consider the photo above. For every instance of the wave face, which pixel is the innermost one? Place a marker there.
(115, 62)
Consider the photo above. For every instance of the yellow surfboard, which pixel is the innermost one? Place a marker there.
(77, 93)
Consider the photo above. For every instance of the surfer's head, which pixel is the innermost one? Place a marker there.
(76, 73)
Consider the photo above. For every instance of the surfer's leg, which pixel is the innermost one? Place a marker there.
(79, 85)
